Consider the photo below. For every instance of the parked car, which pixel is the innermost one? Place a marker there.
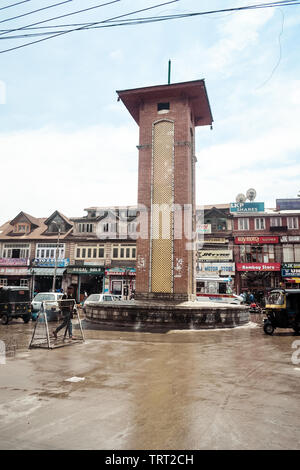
(14, 303)
(97, 299)
(51, 300)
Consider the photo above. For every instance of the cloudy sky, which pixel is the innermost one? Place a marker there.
(67, 144)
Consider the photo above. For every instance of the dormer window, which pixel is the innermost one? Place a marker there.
(21, 228)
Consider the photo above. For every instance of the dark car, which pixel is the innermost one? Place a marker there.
(14, 303)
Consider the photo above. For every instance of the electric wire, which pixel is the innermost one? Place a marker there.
(14, 4)
(147, 19)
(90, 24)
(35, 11)
(112, 22)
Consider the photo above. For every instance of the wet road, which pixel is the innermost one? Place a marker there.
(217, 389)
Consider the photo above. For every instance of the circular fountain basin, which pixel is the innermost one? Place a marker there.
(160, 314)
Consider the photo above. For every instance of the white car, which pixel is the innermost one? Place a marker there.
(51, 302)
(98, 299)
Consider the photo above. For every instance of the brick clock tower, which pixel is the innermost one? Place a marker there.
(167, 116)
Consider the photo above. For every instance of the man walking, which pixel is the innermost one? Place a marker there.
(66, 306)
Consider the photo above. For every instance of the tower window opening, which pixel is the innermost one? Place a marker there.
(163, 106)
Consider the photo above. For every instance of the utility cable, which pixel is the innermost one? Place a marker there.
(111, 22)
(84, 27)
(14, 4)
(35, 11)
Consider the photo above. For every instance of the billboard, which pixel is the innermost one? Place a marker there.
(247, 207)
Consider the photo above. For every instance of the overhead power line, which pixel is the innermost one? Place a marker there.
(14, 4)
(34, 11)
(89, 24)
(119, 21)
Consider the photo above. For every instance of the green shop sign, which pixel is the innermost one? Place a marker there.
(247, 207)
(85, 270)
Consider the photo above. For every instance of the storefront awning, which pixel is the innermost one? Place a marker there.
(48, 271)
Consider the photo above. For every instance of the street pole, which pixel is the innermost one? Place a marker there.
(55, 261)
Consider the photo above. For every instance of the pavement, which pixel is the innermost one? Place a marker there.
(135, 390)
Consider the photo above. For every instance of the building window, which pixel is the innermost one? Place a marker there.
(24, 282)
(259, 223)
(163, 106)
(16, 250)
(91, 252)
(291, 253)
(50, 250)
(121, 252)
(275, 222)
(243, 224)
(257, 254)
(85, 228)
(3, 282)
(292, 223)
(218, 224)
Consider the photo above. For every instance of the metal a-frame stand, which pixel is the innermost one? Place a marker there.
(41, 337)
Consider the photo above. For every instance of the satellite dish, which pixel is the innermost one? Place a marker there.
(240, 198)
(251, 194)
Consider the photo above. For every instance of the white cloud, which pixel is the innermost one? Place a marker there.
(47, 169)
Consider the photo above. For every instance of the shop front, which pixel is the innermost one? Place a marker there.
(121, 281)
(258, 278)
(42, 279)
(14, 276)
(44, 270)
(85, 280)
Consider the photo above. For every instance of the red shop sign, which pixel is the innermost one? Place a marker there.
(258, 267)
(256, 240)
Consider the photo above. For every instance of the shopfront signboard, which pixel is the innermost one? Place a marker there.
(258, 267)
(9, 271)
(248, 207)
(222, 268)
(14, 261)
(215, 255)
(290, 270)
(256, 240)
(85, 270)
(50, 262)
(290, 239)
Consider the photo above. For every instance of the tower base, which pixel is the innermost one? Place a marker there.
(139, 314)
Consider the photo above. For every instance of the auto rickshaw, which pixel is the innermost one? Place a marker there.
(282, 310)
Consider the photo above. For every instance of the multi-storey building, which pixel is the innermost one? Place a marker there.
(214, 248)
(103, 251)
(266, 249)
(33, 250)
